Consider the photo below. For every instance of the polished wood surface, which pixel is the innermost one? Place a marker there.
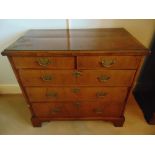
(54, 62)
(67, 77)
(114, 77)
(77, 109)
(108, 62)
(77, 74)
(101, 40)
(49, 94)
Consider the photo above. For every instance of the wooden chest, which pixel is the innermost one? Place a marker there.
(76, 74)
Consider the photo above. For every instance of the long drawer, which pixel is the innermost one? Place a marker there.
(74, 77)
(108, 62)
(44, 62)
(43, 94)
(78, 109)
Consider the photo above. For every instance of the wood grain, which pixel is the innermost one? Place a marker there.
(49, 94)
(97, 62)
(114, 39)
(76, 84)
(87, 77)
(84, 109)
(54, 62)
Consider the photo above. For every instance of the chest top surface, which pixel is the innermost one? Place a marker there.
(75, 40)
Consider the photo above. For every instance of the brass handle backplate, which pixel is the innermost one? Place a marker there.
(56, 110)
(52, 94)
(107, 63)
(101, 94)
(76, 90)
(47, 78)
(103, 78)
(76, 74)
(98, 111)
(43, 62)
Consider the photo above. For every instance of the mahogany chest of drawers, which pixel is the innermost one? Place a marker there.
(76, 74)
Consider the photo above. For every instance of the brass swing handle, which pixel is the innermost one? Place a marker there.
(44, 61)
(47, 78)
(103, 78)
(76, 90)
(101, 94)
(98, 111)
(52, 94)
(107, 63)
(55, 110)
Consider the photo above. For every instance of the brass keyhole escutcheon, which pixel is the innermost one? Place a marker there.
(77, 74)
(77, 104)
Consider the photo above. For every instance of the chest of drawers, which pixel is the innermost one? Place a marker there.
(76, 74)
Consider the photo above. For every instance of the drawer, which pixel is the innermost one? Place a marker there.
(49, 94)
(106, 77)
(44, 62)
(78, 109)
(100, 109)
(55, 109)
(47, 77)
(108, 62)
(81, 78)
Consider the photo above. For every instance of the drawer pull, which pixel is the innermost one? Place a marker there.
(47, 78)
(107, 63)
(43, 62)
(103, 78)
(101, 94)
(55, 110)
(76, 90)
(98, 111)
(76, 74)
(52, 94)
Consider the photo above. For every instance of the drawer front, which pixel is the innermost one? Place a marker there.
(81, 78)
(43, 94)
(106, 77)
(108, 62)
(100, 109)
(78, 109)
(44, 62)
(55, 109)
(47, 77)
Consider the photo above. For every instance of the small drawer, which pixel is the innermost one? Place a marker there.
(44, 62)
(108, 62)
(49, 94)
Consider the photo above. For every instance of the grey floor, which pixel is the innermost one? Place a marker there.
(15, 120)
